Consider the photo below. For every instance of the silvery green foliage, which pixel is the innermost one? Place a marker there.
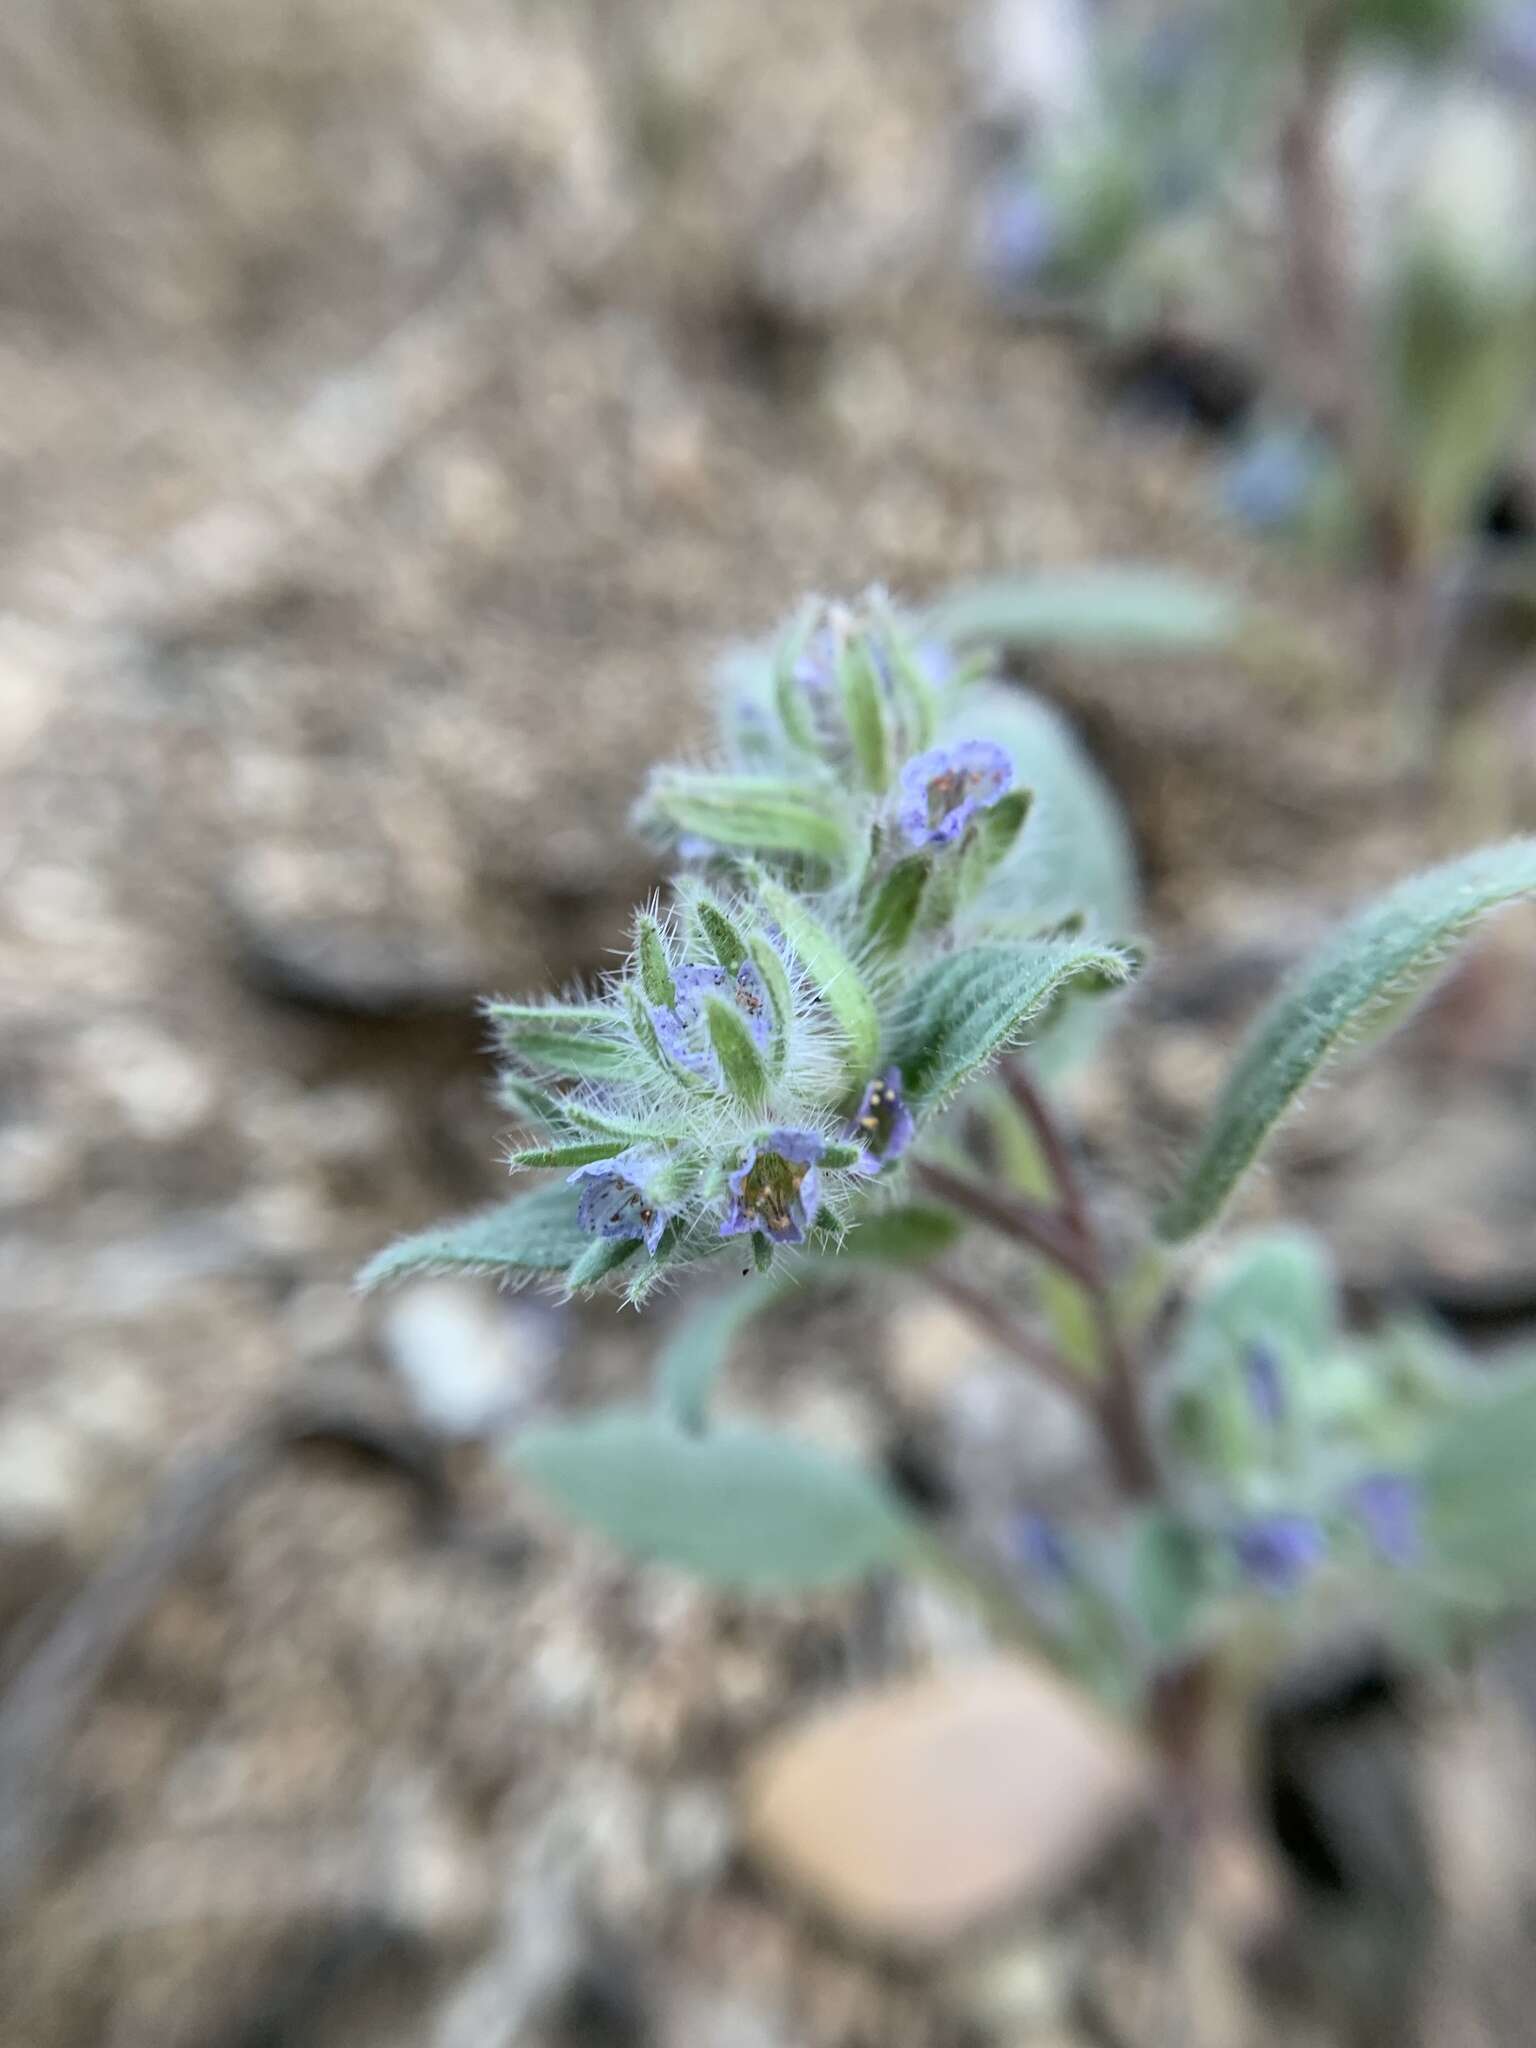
(1361, 981)
(892, 870)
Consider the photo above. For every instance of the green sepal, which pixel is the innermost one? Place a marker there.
(992, 838)
(650, 1044)
(788, 697)
(582, 1041)
(603, 1256)
(582, 1152)
(752, 813)
(741, 1064)
(836, 1156)
(914, 691)
(655, 968)
(762, 1253)
(781, 999)
(836, 980)
(725, 942)
(893, 915)
(864, 713)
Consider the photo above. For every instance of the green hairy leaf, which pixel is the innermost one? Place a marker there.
(1121, 611)
(959, 1014)
(907, 1235)
(1167, 1579)
(536, 1233)
(740, 1506)
(1276, 1285)
(699, 1346)
(836, 978)
(757, 814)
(1480, 1493)
(1362, 975)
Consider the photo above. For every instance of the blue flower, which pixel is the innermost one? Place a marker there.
(1277, 1553)
(614, 1202)
(680, 1027)
(1509, 44)
(777, 1187)
(1020, 234)
(1388, 1507)
(1266, 1384)
(1268, 483)
(883, 1124)
(1037, 1543)
(942, 790)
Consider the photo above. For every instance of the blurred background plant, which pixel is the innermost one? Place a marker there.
(1308, 226)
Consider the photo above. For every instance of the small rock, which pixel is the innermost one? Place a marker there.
(916, 1814)
(470, 1358)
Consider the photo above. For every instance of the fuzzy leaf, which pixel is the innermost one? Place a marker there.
(1480, 1494)
(741, 1064)
(1274, 1285)
(1167, 1572)
(1363, 975)
(893, 914)
(536, 1233)
(1127, 610)
(751, 812)
(960, 1013)
(908, 1235)
(833, 974)
(740, 1506)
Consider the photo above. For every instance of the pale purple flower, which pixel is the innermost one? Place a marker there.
(1509, 44)
(815, 667)
(680, 1027)
(943, 790)
(883, 1124)
(1269, 481)
(1266, 1384)
(1037, 1543)
(1388, 1507)
(777, 1187)
(1277, 1553)
(614, 1202)
(1020, 234)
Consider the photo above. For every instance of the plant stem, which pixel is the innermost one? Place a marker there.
(1122, 1425)
(989, 1315)
(1045, 1231)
